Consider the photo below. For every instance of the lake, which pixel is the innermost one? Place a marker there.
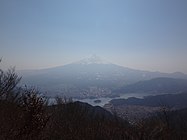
(107, 99)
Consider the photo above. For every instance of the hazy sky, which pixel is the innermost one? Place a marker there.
(141, 34)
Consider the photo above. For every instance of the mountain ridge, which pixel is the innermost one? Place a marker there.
(156, 85)
(81, 77)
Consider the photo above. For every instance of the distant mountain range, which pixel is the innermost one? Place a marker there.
(156, 85)
(175, 101)
(87, 73)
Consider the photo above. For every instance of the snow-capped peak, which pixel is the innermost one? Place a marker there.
(94, 59)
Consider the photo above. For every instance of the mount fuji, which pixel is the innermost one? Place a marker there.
(94, 59)
(89, 76)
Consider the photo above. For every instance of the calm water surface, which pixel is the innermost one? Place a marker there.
(106, 100)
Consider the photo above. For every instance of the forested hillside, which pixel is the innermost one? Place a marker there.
(25, 114)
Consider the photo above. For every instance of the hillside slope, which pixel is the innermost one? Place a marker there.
(157, 85)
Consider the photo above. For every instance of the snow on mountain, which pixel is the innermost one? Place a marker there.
(80, 76)
(94, 59)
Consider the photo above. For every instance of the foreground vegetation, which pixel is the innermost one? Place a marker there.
(25, 114)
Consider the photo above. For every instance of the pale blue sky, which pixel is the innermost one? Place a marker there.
(141, 34)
